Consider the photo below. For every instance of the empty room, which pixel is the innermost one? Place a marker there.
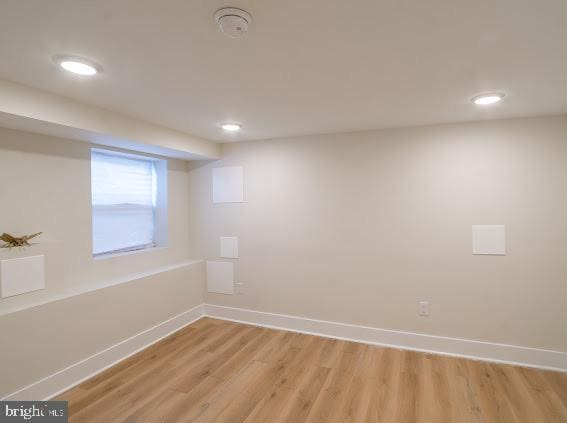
(283, 211)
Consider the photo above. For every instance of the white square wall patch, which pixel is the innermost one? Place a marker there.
(220, 277)
(229, 247)
(22, 275)
(228, 184)
(489, 239)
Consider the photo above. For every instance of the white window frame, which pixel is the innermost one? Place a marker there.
(160, 208)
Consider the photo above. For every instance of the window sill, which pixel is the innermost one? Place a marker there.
(129, 253)
(47, 298)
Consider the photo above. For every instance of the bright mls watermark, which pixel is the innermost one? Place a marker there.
(33, 411)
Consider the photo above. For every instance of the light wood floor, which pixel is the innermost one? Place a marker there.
(227, 372)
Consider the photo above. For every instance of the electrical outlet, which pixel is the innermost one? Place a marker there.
(424, 308)
(239, 287)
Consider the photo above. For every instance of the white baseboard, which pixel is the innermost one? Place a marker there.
(476, 350)
(65, 379)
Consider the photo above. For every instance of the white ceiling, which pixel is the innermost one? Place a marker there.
(306, 66)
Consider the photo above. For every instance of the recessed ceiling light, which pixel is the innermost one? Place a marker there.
(231, 127)
(486, 99)
(78, 66)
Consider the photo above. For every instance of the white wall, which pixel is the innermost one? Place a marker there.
(45, 186)
(359, 227)
(354, 228)
(40, 341)
(25, 108)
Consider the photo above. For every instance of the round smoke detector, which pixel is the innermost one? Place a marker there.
(233, 22)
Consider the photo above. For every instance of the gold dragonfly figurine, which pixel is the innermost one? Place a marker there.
(13, 241)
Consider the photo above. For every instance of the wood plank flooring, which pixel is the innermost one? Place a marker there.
(218, 371)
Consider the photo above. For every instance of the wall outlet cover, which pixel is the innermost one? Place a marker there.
(424, 308)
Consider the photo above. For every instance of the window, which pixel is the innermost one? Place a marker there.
(128, 201)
